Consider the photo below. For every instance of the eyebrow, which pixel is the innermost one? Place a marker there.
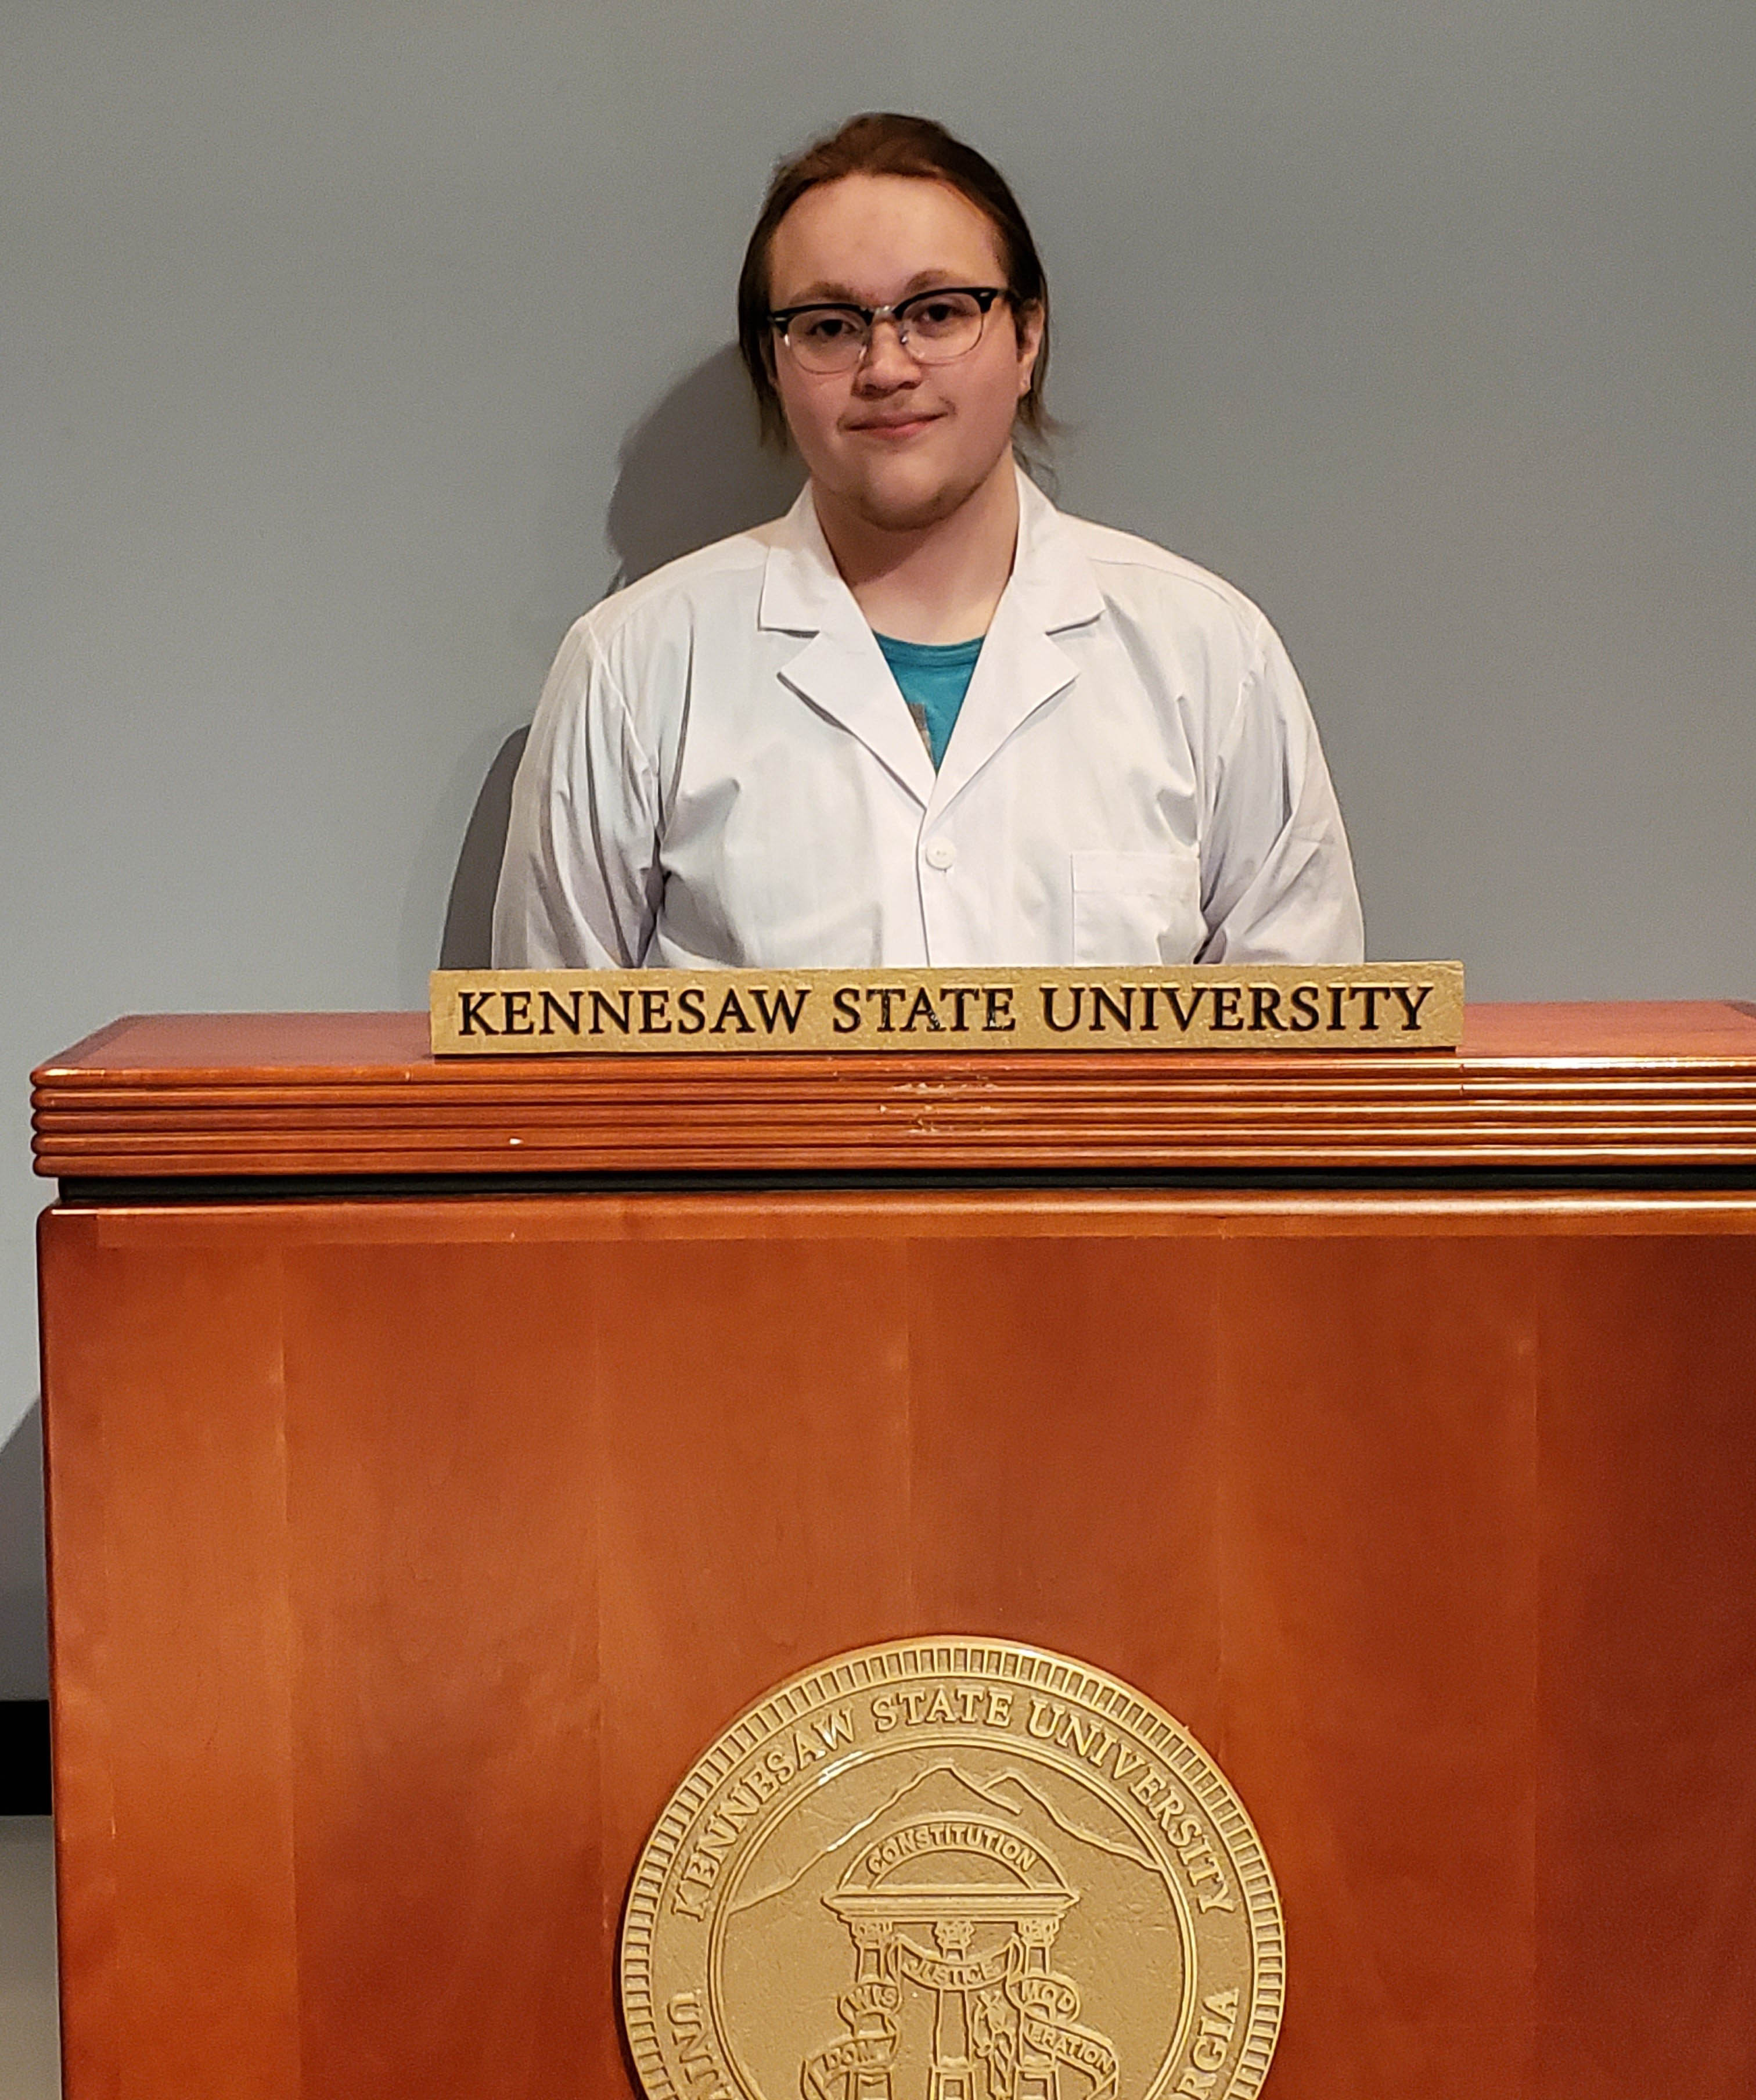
(827, 292)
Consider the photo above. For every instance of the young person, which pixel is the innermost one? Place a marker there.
(923, 719)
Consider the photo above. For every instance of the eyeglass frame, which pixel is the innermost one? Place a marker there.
(782, 318)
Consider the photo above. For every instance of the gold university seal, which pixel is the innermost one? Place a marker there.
(952, 1869)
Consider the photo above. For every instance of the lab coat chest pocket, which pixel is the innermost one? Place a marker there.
(1137, 907)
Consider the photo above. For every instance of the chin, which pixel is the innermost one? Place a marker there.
(904, 503)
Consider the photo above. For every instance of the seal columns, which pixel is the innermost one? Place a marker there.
(951, 2078)
(1036, 2066)
(867, 2010)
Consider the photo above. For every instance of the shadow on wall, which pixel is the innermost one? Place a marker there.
(24, 1625)
(467, 940)
(692, 471)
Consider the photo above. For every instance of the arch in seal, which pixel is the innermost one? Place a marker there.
(1004, 2022)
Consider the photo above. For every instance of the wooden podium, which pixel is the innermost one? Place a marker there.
(440, 1456)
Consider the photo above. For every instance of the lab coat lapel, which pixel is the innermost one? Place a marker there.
(1052, 589)
(840, 670)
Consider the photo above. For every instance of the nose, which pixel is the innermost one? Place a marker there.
(888, 363)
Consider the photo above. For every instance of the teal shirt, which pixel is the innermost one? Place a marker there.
(934, 676)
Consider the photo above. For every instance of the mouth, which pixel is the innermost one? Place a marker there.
(892, 429)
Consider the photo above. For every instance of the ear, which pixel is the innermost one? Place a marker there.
(1027, 326)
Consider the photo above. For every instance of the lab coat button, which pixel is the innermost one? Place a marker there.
(941, 854)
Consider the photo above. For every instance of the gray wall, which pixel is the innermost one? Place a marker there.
(350, 349)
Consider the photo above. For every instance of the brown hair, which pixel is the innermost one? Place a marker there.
(881, 142)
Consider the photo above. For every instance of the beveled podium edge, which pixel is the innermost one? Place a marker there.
(1160, 1115)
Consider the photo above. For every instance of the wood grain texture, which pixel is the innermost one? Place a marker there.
(1537, 1089)
(405, 1554)
(1647, 1813)
(173, 1655)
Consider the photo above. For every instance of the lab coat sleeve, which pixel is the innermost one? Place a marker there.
(1277, 878)
(580, 881)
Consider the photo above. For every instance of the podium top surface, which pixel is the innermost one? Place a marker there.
(1536, 1091)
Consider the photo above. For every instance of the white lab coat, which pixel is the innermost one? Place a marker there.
(722, 773)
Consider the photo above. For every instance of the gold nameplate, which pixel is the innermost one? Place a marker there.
(953, 1870)
(1382, 1006)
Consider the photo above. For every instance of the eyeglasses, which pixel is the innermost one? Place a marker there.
(933, 327)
